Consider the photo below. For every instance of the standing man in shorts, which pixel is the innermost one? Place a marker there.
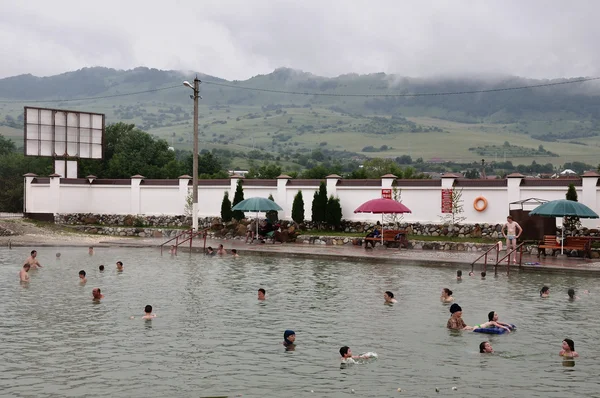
(511, 235)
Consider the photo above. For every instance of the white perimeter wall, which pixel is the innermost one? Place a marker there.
(134, 197)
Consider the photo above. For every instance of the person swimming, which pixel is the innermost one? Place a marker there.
(82, 278)
(456, 322)
(483, 274)
(458, 275)
(571, 293)
(119, 266)
(261, 294)
(446, 296)
(485, 348)
(568, 349)
(97, 294)
(493, 323)
(289, 340)
(545, 292)
(101, 268)
(23, 274)
(389, 298)
(148, 313)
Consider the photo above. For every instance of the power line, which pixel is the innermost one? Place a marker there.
(306, 93)
(493, 90)
(93, 98)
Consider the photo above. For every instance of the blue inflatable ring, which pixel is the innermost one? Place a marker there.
(494, 330)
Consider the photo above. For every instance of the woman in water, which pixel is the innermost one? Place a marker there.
(572, 296)
(545, 292)
(568, 349)
(485, 348)
(289, 338)
(389, 298)
(493, 323)
(446, 296)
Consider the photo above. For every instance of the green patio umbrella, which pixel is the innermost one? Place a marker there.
(258, 205)
(563, 208)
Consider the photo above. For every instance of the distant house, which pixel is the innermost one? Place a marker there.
(238, 172)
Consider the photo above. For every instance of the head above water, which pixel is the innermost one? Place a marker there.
(289, 336)
(261, 293)
(82, 274)
(483, 274)
(571, 293)
(570, 343)
(148, 309)
(344, 351)
(26, 267)
(101, 268)
(458, 273)
(454, 308)
(389, 294)
(96, 292)
(447, 291)
(33, 253)
(485, 347)
(544, 290)
(233, 251)
(491, 316)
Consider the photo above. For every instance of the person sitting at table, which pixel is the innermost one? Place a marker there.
(264, 228)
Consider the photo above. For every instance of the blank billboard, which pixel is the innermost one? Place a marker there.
(63, 134)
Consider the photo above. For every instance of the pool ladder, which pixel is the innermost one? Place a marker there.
(184, 237)
(496, 247)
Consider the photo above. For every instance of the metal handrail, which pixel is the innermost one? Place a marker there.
(190, 235)
(520, 248)
(485, 254)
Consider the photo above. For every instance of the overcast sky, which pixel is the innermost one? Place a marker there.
(240, 39)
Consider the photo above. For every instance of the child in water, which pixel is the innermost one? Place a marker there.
(347, 358)
(389, 298)
(545, 292)
(485, 348)
(568, 349)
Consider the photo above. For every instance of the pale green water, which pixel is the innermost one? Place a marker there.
(212, 337)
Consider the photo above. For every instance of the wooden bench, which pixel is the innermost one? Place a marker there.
(390, 235)
(570, 243)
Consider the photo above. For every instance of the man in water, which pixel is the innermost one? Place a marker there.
(97, 294)
(234, 253)
(101, 268)
(82, 278)
(485, 348)
(148, 313)
(289, 340)
(261, 293)
(91, 251)
(23, 274)
(458, 275)
(32, 260)
(221, 250)
(120, 266)
(511, 236)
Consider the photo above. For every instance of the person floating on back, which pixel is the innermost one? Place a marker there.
(289, 340)
(568, 349)
(389, 298)
(485, 348)
(545, 292)
(23, 274)
(82, 278)
(32, 260)
(261, 294)
(119, 266)
(97, 294)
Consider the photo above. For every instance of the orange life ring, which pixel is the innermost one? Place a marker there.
(476, 205)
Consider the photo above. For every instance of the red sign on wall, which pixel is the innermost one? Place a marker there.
(446, 200)
(386, 193)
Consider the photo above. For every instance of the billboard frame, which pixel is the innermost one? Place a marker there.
(65, 111)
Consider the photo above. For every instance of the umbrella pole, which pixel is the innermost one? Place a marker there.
(381, 229)
(256, 236)
(562, 240)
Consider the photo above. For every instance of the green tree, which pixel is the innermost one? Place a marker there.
(319, 204)
(226, 212)
(237, 198)
(571, 223)
(272, 215)
(334, 212)
(266, 170)
(7, 146)
(298, 208)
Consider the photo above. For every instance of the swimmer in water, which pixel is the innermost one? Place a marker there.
(545, 292)
(221, 250)
(456, 322)
(172, 250)
(23, 274)
(210, 251)
(32, 260)
(485, 348)
(234, 253)
(471, 273)
(568, 349)
(483, 274)
(446, 296)
(91, 251)
(101, 268)
(459, 275)
(289, 340)
(97, 294)
(572, 296)
(347, 358)
(119, 266)
(261, 294)
(493, 323)
(57, 255)
(389, 298)
(82, 278)
(148, 313)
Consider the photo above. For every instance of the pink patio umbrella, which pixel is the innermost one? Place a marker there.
(382, 206)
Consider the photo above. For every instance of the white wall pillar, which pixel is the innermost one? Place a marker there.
(589, 196)
(387, 181)
(184, 183)
(331, 183)
(448, 181)
(54, 195)
(136, 180)
(27, 203)
(513, 187)
(281, 197)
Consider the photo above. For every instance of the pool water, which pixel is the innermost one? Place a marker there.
(213, 338)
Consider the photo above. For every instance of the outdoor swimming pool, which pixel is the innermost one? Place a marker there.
(213, 338)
